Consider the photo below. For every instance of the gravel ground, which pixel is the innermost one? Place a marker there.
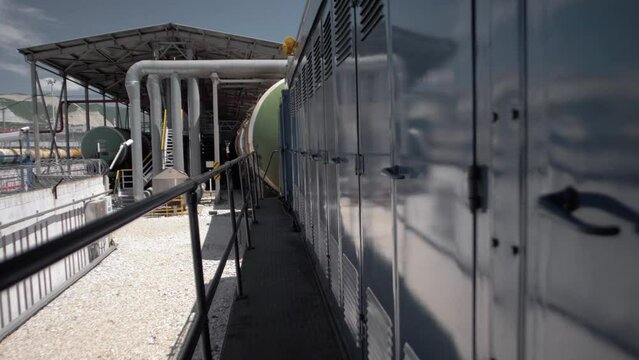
(136, 303)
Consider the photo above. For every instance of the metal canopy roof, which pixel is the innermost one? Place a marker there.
(102, 61)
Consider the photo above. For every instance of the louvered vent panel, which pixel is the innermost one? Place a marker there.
(294, 98)
(323, 253)
(350, 286)
(317, 62)
(304, 83)
(327, 48)
(379, 329)
(371, 12)
(343, 29)
(299, 94)
(309, 77)
(336, 269)
(409, 353)
(309, 216)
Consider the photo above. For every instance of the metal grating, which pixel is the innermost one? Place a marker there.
(371, 12)
(350, 286)
(379, 329)
(327, 48)
(409, 353)
(343, 30)
(336, 269)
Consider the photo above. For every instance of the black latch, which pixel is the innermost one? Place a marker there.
(359, 164)
(477, 187)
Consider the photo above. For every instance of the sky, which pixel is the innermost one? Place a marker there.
(32, 22)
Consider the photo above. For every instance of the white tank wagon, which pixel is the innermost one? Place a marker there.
(260, 132)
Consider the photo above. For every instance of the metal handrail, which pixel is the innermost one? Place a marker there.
(34, 260)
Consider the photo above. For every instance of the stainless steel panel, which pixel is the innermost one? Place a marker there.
(433, 130)
(347, 139)
(376, 209)
(335, 269)
(351, 288)
(331, 154)
(379, 329)
(583, 99)
(508, 125)
(409, 353)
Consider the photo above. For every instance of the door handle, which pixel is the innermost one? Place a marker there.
(316, 157)
(562, 205)
(393, 172)
(335, 160)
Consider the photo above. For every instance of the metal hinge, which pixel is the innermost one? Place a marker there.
(359, 164)
(477, 187)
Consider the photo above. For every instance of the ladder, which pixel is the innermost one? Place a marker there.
(167, 151)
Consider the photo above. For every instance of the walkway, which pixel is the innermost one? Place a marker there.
(283, 315)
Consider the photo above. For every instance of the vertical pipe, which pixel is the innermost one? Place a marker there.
(104, 117)
(128, 120)
(153, 88)
(86, 104)
(238, 271)
(118, 122)
(178, 129)
(195, 167)
(216, 131)
(36, 122)
(196, 249)
(67, 135)
(133, 89)
(244, 205)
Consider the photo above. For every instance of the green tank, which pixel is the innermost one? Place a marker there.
(104, 142)
(260, 132)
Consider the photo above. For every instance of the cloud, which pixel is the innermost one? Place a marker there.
(18, 26)
(17, 68)
(50, 84)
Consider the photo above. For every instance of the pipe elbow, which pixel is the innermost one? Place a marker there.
(134, 74)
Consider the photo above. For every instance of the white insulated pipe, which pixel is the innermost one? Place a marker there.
(155, 97)
(216, 134)
(177, 123)
(195, 167)
(185, 69)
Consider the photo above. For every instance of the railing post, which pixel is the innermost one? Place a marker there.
(199, 274)
(258, 179)
(244, 205)
(249, 173)
(261, 182)
(238, 271)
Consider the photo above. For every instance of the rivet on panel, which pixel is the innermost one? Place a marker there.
(495, 242)
(515, 114)
(495, 117)
(515, 249)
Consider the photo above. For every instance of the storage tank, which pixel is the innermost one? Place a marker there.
(260, 132)
(104, 142)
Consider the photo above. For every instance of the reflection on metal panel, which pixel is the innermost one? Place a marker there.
(409, 353)
(335, 269)
(350, 286)
(582, 286)
(379, 329)
(323, 249)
